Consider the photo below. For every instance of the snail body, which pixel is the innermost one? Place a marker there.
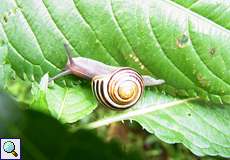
(114, 87)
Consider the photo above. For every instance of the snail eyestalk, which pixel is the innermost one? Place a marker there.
(69, 54)
(150, 81)
(70, 61)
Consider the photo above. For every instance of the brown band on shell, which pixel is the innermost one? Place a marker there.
(106, 88)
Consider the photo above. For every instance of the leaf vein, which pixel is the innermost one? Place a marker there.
(163, 51)
(93, 30)
(18, 53)
(124, 35)
(62, 104)
(60, 31)
(207, 122)
(16, 3)
(201, 60)
(190, 130)
(177, 132)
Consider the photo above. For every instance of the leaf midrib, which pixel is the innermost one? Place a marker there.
(132, 113)
(62, 104)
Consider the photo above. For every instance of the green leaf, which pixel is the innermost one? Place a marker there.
(66, 104)
(44, 138)
(180, 45)
(203, 128)
(183, 43)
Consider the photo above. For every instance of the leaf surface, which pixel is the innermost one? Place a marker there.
(65, 104)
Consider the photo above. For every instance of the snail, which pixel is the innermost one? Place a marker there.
(114, 87)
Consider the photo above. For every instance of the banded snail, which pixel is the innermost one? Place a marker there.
(114, 87)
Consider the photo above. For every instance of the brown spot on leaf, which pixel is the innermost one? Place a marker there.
(202, 80)
(212, 51)
(182, 41)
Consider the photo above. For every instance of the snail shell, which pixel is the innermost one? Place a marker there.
(119, 90)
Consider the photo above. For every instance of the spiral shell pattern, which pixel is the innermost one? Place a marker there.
(119, 90)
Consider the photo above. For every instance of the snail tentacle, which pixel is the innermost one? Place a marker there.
(150, 81)
(63, 73)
